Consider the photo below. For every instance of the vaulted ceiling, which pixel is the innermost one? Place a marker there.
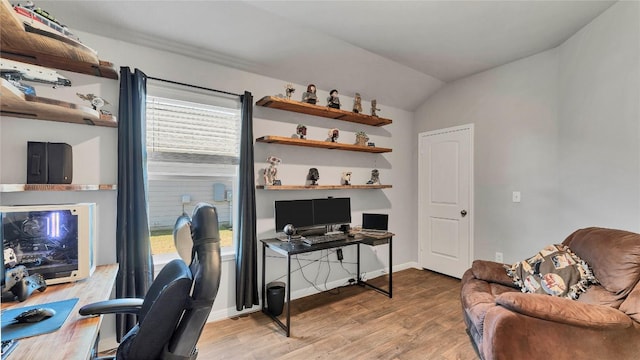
(398, 52)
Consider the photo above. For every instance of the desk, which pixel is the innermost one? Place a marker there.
(77, 336)
(294, 248)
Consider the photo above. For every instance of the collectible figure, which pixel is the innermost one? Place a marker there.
(346, 178)
(357, 104)
(375, 177)
(289, 90)
(313, 176)
(96, 101)
(361, 138)
(333, 101)
(309, 96)
(271, 172)
(301, 131)
(334, 134)
(374, 108)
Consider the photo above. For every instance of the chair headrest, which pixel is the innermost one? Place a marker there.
(204, 225)
(182, 237)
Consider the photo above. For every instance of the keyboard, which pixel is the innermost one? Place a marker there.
(320, 239)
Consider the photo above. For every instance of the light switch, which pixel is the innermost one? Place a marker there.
(516, 197)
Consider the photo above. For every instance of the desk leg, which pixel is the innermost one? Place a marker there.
(358, 264)
(264, 289)
(390, 267)
(365, 283)
(288, 295)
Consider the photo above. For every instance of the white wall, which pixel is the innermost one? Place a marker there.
(561, 127)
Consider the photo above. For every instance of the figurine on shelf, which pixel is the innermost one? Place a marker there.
(334, 134)
(346, 178)
(301, 132)
(96, 101)
(289, 90)
(271, 172)
(357, 104)
(333, 101)
(313, 176)
(374, 108)
(310, 96)
(361, 138)
(375, 177)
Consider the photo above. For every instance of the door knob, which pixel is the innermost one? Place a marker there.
(463, 213)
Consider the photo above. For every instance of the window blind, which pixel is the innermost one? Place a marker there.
(192, 132)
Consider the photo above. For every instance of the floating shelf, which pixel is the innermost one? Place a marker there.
(16, 103)
(320, 144)
(55, 187)
(321, 187)
(29, 45)
(323, 111)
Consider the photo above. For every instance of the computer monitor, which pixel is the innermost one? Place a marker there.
(332, 211)
(298, 213)
(375, 221)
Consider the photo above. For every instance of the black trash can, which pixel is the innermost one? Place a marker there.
(275, 297)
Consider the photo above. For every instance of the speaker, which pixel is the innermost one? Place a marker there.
(60, 160)
(49, 163)
(37, 163)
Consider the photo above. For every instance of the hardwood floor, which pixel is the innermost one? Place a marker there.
(422, 321)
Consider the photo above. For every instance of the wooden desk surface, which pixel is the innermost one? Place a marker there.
(75, 339)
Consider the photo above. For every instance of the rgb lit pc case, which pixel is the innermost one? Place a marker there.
(55, 241)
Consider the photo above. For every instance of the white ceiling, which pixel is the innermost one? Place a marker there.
(398, 52)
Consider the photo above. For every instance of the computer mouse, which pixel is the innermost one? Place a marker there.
(35, 315)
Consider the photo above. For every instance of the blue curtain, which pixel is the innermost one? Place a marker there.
(246, 244)
(132, 231)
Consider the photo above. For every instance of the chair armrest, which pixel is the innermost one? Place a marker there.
(114, 306)
(565, 311)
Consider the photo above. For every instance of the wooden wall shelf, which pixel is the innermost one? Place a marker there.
(31, 47)
(320, 144)
(321, 187)
(15, 103)
(55, 187)
(323, 111)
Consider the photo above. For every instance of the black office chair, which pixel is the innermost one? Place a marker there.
(173, 313)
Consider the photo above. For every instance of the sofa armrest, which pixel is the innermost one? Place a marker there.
(565, 311)
(491, 271)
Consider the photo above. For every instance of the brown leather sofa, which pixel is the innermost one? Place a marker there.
(604, 323)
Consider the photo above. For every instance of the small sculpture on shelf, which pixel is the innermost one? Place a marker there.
(289, 90)
(301, 132)
(313, 176)
(357, 104)
(96, 101)
(333, 101)
(374, 108)
(361, 138)
(271, 172)
(334, 134)
(346, 178)
(310, 96)
(375, 177)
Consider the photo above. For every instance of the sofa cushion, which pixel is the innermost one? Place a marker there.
(555, 270)
(614, 256)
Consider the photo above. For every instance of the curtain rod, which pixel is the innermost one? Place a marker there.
(194, 86)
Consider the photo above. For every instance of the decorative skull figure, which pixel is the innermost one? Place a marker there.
(346, 178)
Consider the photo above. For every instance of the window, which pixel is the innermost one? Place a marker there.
(193, 151)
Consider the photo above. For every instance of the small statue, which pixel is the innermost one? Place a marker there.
(333, 101)
(334, 134)
(375, 177)
(361, 138)
(301, 132)
(346, 178)
(270, 172)
(357, 104)
(374, 108)
(309, 96)
(289, 90)
(96, 101)
(313, 176)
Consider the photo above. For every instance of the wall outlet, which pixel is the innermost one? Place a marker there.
(499, 258)
(515, 197)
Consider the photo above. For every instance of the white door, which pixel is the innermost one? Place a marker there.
(445, 205)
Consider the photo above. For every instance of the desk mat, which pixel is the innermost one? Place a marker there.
(11, 330)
